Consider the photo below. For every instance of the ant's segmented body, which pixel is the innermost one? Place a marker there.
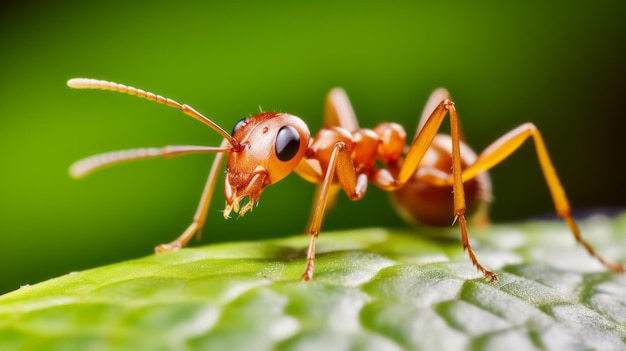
(433, 181)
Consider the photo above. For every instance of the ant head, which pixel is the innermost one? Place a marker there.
(270, 146)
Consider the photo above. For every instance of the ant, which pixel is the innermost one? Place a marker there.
(431, 181)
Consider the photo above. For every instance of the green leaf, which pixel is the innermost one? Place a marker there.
(374, 289)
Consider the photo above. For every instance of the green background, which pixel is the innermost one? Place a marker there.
(558, 64)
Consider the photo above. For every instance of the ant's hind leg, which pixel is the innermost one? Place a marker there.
(509, 143)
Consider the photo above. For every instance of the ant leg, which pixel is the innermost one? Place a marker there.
(459, 194)
(510, 142)
(338, 111)
(436, 97)
(203, 207)
(416, 152)
(423, 140)
(354, 185)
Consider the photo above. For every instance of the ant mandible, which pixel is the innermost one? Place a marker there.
(432, 180)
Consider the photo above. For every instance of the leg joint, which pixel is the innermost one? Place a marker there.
(448, 104)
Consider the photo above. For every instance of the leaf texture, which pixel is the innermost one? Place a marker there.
(374, 289)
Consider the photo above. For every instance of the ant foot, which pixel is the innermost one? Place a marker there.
(173, 246)
(492, 277)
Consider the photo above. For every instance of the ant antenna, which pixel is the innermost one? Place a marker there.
(88, 83)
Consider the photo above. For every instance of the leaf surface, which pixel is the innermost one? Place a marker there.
(374, 289)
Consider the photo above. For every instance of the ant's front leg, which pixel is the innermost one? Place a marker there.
(338, 112)
(355, 186)
(203, 207)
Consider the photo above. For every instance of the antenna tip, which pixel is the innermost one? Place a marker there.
(76, 171)
(78, 83)
(72, 83)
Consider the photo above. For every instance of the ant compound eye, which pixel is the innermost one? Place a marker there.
(287, 143)
(238, 125)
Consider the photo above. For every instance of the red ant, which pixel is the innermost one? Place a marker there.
(432, 180)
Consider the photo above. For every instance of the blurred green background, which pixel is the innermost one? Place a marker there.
(558, 64)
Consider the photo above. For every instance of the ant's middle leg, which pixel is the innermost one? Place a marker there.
(422, 142)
